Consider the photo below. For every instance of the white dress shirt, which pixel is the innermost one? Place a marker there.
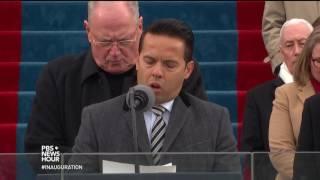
(284, 74)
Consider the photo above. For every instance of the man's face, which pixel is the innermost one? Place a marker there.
(114, 35)
(162, 67)
(292, 42)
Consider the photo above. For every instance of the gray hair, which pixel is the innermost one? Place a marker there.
(295, 21)
(132, 5)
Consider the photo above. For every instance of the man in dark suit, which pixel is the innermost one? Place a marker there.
(306, 162)
(259, 99)
(107, 70)
(189, 123)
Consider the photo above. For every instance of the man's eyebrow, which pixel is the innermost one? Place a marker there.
(170, 60)
(148, 56)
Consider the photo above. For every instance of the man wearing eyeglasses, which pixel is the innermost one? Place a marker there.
(107, 70)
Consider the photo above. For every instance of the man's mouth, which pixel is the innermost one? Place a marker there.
(155, 86)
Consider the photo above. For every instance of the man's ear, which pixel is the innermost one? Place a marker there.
(138, 63)
(140, 27)
(280, 50)
(140, 23)
(86, 25)
(87, 28)
(189, 69)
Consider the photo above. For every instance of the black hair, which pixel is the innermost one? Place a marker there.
(172, 28)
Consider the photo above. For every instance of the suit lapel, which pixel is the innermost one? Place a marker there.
(143, 141)
(305, 92)
(177, 119)
(276, 83)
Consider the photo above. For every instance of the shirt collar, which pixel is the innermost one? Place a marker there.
(89, 67)
(168, 105)
(284, 74)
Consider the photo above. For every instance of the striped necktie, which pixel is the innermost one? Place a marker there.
(157, 133)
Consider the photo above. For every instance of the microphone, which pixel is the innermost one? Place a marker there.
(140, 98)
(143, 98)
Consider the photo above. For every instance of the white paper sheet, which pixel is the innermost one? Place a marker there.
(112, 167)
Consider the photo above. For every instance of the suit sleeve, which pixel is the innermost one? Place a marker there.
(86, 142)
(251, 135)
(194, 84)
(274, 17)
(225, 142)
(281, 138)
(45, 127)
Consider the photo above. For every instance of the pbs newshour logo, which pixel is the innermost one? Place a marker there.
(50, 153)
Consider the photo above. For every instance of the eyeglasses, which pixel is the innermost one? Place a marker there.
(316, 62)
(124, 43)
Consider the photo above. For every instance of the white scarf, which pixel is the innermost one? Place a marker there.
(284, 74)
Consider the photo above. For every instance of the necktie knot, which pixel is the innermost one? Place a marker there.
(158, 110)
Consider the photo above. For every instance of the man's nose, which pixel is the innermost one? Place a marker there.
(157, 71)
(297, 49)
(114, 49)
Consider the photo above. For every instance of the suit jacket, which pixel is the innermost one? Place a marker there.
(307, 165)
(256, 125)
(285, 125)
(274, 16)
(194, 126)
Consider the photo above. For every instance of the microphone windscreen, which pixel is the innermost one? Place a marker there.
(144, 98)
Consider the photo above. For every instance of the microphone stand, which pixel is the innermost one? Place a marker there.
(134, 127)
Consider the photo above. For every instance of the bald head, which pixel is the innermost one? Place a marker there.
(294, 22)
(293, 36)
(114, 29)
(131, 7)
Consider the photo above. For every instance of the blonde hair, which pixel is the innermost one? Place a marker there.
(302, 72)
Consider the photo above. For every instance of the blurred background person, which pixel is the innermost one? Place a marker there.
(275, 14)
(293, 35)
(287, 108)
